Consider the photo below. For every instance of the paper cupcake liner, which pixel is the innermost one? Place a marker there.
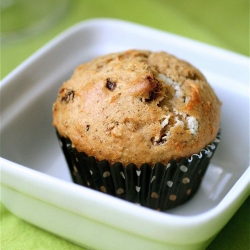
(162, 187)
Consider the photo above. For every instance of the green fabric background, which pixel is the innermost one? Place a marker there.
(223, 23)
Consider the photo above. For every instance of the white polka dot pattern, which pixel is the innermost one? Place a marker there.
(161, 187)
(183, 168)
(106, 174)
(170, 183)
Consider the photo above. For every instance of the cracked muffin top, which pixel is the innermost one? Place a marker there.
(137, 107)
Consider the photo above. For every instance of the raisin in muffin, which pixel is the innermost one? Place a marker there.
(138, 107)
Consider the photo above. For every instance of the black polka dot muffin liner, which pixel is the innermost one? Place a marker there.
(161, 188)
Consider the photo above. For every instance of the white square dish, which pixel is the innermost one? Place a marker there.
(35, 182)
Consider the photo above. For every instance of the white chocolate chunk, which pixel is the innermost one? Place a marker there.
(179, 122)
(178, 93)
(165, 121)
(192, 125)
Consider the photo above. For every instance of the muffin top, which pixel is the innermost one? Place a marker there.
(137, 107)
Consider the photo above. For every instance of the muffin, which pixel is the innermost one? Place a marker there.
(138, 125)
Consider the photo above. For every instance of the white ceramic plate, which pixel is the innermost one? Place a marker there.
(36, 184)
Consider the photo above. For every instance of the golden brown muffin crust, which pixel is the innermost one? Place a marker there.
(137, 106)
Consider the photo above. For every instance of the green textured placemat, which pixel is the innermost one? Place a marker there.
(16, 234)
